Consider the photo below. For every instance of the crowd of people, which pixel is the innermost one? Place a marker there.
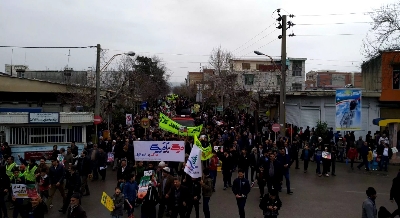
(258, 155)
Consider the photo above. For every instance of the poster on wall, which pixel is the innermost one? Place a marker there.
(348, 110)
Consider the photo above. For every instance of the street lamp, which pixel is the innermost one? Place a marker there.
(98, 71)
(131, 53)
(282, 112)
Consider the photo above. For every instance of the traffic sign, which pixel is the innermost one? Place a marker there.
(145, 122)
(276, 127)
(97, 120)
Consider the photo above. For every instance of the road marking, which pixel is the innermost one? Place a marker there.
(364, 193)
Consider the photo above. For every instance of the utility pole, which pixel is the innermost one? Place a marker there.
(282, 111)
(97, 106)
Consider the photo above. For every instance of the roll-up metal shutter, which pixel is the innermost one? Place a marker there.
(310, 116)
(292, 114)
(330, 116)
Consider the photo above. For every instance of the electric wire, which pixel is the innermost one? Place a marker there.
(252, 38)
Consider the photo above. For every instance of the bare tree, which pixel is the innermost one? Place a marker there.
(385, 31)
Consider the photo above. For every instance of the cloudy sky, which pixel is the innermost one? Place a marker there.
(182, 32)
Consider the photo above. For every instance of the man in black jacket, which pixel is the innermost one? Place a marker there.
(241, 188)
(123, 172)
(194, 196)
(273, 173)
(150, 202)
(227, 166)
(73, 185)
(244, 163)
(56, 179)
(85, 168)
(178, 198)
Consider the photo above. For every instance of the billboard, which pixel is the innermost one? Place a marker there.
(348, 110)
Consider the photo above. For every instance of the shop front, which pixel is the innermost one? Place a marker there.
(33, 135)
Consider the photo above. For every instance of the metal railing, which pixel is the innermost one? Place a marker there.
(44, 135)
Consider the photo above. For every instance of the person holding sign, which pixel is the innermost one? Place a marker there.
(118, 200)
(130, 193)
(150, 202)
(17, 202)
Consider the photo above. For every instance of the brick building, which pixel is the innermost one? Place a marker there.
(331, 79)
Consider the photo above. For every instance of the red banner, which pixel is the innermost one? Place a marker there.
(37, 154)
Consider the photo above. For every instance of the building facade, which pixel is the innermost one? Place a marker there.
(305, 109)
(264, 74)
(330, 79)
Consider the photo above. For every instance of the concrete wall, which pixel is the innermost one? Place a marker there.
(371, 74)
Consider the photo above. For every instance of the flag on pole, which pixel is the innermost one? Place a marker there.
(193, 165)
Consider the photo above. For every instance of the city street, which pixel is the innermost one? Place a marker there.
(314, 196)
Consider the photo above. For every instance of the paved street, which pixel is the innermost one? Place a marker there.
(314, 196)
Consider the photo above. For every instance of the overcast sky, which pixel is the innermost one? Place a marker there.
(182, 32)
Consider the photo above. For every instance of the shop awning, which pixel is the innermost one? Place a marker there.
(384, 122)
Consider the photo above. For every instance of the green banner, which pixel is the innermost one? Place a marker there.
(206, 153)
(171, 126)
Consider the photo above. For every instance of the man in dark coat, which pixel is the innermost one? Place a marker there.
(75, 210)
(178, 198)
(73, 185)
(273, 173)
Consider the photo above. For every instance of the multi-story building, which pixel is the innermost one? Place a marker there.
(264, 74)
(331, 79)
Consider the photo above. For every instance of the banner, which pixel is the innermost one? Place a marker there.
(348, 110)
(107, 201)
(171, 126)
(206, 153)
(144, 184)
(159, 151)
(24, 191)
(128, 118)
(193, 164)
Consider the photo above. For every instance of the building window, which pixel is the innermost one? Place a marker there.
(249, 79)
(297, 68)
(246, 66)
(296, 86)
(278, 80)
(44, 135)
(396, 77)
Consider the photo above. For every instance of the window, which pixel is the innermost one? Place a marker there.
(396, 77)
(278, 80)
(249, 79)
(296, 86)
(245, 66)
(43, 135)
(297, 68)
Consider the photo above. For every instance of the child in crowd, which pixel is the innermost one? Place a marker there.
(118, 200)
(43, 181)
(374, 161)
(352, 154)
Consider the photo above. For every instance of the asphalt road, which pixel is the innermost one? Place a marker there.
(314, 196)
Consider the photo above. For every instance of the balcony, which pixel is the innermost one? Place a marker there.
(63, 118)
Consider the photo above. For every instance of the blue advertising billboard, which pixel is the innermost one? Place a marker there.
(348, 110)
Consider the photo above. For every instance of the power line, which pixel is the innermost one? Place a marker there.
(309, 24)
(259, 40)
(13, 46)
(253, 37)
(318, 15)
(262, 47)
(342, 34)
